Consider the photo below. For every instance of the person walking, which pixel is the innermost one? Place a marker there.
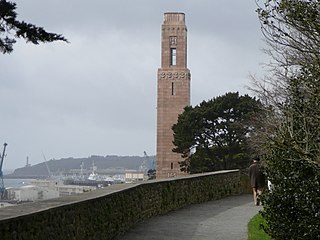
(257, 180)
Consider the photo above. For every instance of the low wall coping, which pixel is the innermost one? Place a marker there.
(7, 213)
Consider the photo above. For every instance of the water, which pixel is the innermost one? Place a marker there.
(16, 182)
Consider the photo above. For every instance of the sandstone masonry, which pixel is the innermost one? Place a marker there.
(173, 91)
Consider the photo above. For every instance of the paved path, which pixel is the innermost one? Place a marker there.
(224, 219)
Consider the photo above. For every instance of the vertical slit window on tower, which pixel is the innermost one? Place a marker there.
(173, 56)
(171, 165)
(172, 88)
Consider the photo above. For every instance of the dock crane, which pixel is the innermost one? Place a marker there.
(151, 171)
(143, 167)
(2, 188)
(46, 163)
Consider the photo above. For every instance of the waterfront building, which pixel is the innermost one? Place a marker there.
(31, 193)
(42, 189)
(134, 176)
(62, 189)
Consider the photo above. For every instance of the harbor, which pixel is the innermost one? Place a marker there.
(66, 177)
(23, 190)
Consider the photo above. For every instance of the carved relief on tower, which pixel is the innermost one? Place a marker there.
(173, 40)
(170, 29)
(172, 174)
(174, 75)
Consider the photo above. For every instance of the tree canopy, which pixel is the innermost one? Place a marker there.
(292, 30)
(11, 28)
(213, 135)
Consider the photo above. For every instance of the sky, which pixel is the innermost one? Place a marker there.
(97, 94)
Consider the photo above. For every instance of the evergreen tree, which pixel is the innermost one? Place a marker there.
(11, 28)
(213, 135)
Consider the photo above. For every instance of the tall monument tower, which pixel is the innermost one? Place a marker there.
(173, 91)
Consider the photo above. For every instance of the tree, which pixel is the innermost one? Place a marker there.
(292, 92)
(152, 174)
(213, 135)
(11, 28)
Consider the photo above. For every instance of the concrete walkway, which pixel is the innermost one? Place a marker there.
(224, 219)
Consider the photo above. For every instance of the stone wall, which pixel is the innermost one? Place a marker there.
(107, 213)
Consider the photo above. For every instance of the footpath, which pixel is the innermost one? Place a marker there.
(224, 219)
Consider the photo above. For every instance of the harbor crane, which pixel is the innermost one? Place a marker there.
(46, 163)
(2, 188)
(151, 171)
(143, 167)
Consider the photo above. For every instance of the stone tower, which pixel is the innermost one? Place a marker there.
(173, 91)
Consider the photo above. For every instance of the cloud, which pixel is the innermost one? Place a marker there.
(97, 94)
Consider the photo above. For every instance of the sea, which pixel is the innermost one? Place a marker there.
(16, 182)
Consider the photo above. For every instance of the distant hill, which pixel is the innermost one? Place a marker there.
(68, 164)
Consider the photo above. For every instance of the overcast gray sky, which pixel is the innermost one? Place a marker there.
(97, 94)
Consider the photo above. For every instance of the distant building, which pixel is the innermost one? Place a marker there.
(45, 189)
(31, 193)
(63, 190)
(134, 176)
(173, 91)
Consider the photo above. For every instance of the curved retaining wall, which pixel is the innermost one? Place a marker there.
(107, 213)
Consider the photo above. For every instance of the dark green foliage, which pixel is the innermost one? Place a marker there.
(292, 208)
(10, 26)
(152, 174)
(213, 135)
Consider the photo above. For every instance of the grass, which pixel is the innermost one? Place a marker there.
(255, 232)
